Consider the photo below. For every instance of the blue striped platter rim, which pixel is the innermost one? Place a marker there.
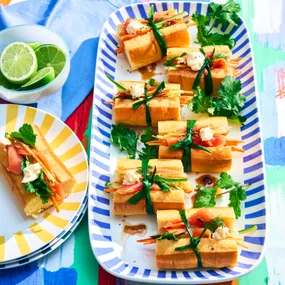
(99, 205)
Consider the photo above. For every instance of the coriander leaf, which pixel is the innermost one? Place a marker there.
(205, 197)
(231, 100)
(226, 13)
(236, 196)
(148, 151)
(201, 21)
(126, 139)
(40, 187)
(200, 102)
(151, 82)
(218, 39)
(30, 187)
(25, 134)
(170, 62)
(227, 105)
(226, 181)
(167, 235)
(213, 224)
(219, 55)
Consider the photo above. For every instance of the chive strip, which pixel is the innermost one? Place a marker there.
(145, 193)
(208, 81)
(193, 241)
(187, 144)
(121, 87)
(156, 32)
(199, 75)
(147, 98)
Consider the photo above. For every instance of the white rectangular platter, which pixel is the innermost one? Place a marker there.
(127, 258)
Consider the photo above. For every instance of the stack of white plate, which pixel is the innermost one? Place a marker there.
(25, 239)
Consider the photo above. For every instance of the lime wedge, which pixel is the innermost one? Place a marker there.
(18, 62)
(34, 45)
(41, 78)
(51, 56)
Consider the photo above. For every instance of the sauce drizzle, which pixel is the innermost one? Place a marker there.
(147, 72)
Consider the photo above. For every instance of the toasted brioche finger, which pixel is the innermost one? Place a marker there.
(216, 254)
(30, 202)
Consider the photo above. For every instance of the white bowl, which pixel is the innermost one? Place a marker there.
(34, 33)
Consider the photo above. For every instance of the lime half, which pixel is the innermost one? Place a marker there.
(34, 45)
(41, 78)
(7, 84)
(51, 56)
(18, 62)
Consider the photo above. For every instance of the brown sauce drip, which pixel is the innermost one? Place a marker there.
(135, 229)
(207, 180)
(147, 72)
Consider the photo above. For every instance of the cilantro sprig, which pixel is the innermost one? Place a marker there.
(38, 186)
(170, 62)
(228, 104)
(222, 14)
(206, 195)
(148, 151)
(127, 140)
(25, 134)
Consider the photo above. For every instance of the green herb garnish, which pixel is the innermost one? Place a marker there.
(186, 144)
(170, 62)
(148, 151)
(206, 196)
(25, 134)
(40, 187)
(213, 224)
(220, 55)
(228, 104)
(151, 82)
(147, 98)
(126, 139)
(167, 235)
(157, 34)
(120, 86)
(225, 14)
(222, 14)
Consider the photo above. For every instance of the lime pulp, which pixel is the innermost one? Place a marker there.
(18, 62)
(49, 55)
(41, 78)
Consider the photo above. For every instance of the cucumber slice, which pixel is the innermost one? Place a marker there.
(248, 230)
